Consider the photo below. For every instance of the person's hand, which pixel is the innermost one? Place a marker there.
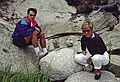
(89, 60)
(84, 52)
(37, 29)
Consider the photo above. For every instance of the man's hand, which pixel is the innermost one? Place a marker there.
(37, 29)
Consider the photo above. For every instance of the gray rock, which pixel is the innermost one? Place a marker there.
(56, 44)
(112, 38)
(118, 79)
(89, 77)
(60, 64)
(69, 43)
(115, 59)
(103, 20)
(9, 53)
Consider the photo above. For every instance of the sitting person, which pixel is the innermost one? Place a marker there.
(27, 32)
(96, 47)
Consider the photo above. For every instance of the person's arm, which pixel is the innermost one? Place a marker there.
(38, 28)
(83, 46)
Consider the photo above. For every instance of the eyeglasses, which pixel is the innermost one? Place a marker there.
(32, 15)
(85, 31)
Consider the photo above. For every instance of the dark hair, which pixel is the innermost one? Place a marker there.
(32, 9)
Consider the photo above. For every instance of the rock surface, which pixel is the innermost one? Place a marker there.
(89, 77)
(115, 59)
(56, 17)
(60, 64)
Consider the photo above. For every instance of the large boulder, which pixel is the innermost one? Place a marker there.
(103, 20)
(60, 64)
(89, 77)
(111, 38)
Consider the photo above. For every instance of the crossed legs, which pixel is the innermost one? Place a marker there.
(97, 60)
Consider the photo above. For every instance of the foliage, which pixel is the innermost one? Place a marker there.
(35, 75)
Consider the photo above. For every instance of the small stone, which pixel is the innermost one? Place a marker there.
(69, 43)
(56, 44)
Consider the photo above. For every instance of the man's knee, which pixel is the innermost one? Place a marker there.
(41, 34)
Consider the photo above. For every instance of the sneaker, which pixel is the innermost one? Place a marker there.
(42, 54)
(97, 77)
(87, 67)
(37, 53)
(92, 68)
